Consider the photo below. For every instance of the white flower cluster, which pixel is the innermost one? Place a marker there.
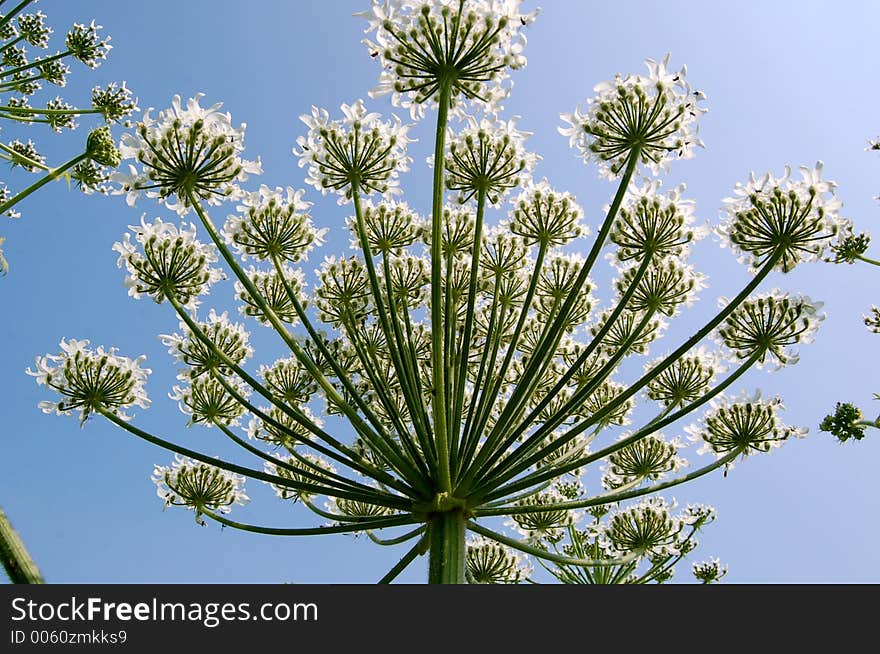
(206, 400)
(167, 261)
(278, 288)
(651, 457)
(647, 528)
(489, 562)
(769, 326)
(198, 486)
(745, 424)
(232, 339)
(273, 223)
(792, 219)
(710, 571)
(538, 525)
(391, 226)
(359, 149)
(657, 114)
(655, 224)
(475, 41)
(686, 379)
(186, 153)
(489, 155)
(542, 215)
(91, 380)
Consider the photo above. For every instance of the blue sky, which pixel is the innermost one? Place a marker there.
(787, 82)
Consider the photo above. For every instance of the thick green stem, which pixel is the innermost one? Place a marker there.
(447, 549)
(438, 404)
(15, 558)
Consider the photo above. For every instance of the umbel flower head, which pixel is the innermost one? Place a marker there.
(208, 401)
(426, 45)
(686, 379)
(273, 223)
(231, 339)
(789, 220)
(32, 28)
(744, 425)
(647, 528)
(166, 261)
(655, 115)
(390, 227)
(648, 458)
(86, 45)
(487, 157)
(277, 287)
(198, 486)
(466, 356)
(492, 563)
(769, 325)
(654, 224)
(288, 379)
(849, 246)
(358, 150)
(709, 572)
(187, 153)
(541, 524)
(91, 380)
(664, 287)
(872, 320)
(542, 215)
(343, 296)
(114, 101)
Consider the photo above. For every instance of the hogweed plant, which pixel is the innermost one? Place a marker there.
(24, 71)
(465, 348)
(848, 422)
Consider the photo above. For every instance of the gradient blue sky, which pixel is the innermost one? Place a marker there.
(787, 82)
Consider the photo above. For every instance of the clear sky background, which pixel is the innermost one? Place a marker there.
(787, 82)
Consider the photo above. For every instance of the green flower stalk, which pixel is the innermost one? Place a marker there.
(22, 76)
(19, 566)
(462, 342)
